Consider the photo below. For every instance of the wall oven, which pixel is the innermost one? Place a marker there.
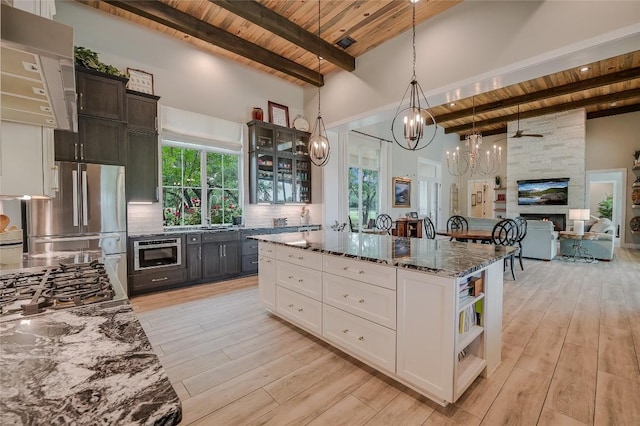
(160, 253)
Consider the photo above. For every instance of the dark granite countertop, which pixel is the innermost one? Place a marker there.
(85, 365)
(212, 229)
(439, 257)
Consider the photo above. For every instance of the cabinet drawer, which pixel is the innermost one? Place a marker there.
(300, 279)
(368, 272)
(369, 341)
(267, 249)
(212, 237)
(249, 247)
(371, 302)
(250, 263)
(300, 257)
(194, 238)
(151, 281)
(301, 310)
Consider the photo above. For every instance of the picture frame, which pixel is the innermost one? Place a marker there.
(140, 81)
(473, 200)
(412, 215)
(401, 192)
(479, 197)
(278, 114)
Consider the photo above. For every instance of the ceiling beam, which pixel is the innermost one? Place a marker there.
(613, 111)
(603, 80)
(260, 15)
(611, 97)
(166, 15)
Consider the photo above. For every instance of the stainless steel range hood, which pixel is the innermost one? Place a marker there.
(38, 82)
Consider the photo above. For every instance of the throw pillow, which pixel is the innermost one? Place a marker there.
(602, 225)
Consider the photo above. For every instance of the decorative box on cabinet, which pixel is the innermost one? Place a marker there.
(279, 165)
(142, 147)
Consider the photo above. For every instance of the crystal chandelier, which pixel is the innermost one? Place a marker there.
(414, 117)
(319, 148)
(472, 159)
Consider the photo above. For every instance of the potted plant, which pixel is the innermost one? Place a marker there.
(636, 156)
(498, 181)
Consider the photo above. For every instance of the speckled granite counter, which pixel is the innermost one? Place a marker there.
(83, 366)
(439, 257)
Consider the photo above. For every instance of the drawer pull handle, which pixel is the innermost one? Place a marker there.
(346, 331)
(291, 305)
(346, 296)
(296, 257)
(300, 280)
(254, 262)
(290, 277)
(361, 338)
(300, 310)
(346, 268)
(159, 279)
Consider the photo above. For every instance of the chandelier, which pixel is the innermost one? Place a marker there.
(414, 117)
(319, 148)
(471, 159)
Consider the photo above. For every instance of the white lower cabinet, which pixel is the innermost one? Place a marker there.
(299, 309)
(267, 281)
(365, 339)
(426, 332)
(300, 279)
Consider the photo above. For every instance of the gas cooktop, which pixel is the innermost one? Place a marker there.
(32, 292)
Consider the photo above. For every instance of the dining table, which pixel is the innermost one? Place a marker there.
(475, 235)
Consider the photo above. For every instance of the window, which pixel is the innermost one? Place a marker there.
(195, 177)
(364, 184)
(429, 189)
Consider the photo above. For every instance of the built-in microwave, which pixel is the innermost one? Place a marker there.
(160, 253)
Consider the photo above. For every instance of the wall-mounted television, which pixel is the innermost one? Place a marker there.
(543, 192)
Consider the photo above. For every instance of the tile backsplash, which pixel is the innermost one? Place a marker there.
(144, 219)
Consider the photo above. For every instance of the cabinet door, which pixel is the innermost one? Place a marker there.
(267, 281)
(194, 262)
(67, 146)
(232, 259)
(101, 141)
(284, 181)
(285, 141)
(212, 261)
(142, 112)
(260, 136)
(100, 95)
(426, 332)
(142, 166)
(261, 179)
(303, 181)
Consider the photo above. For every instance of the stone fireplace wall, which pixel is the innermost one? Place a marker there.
(560, 153)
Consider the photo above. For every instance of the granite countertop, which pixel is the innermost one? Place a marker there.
(86, 365)
(439, 257)
(213, 228)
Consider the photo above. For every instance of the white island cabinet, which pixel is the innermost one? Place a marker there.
(414, 320)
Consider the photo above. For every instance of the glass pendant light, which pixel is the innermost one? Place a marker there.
(319, 148)
(415, 116)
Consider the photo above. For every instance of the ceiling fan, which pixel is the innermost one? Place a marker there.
(521, 133)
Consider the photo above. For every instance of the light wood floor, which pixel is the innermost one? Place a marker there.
(571, 356)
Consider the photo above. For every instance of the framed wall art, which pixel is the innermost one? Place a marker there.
(140, 81)
(479, 197)
(278, 114)
(401, 192)
(473, 200)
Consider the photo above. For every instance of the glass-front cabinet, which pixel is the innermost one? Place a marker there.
(279, 166)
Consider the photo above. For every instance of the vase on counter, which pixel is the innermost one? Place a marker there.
(257, 114)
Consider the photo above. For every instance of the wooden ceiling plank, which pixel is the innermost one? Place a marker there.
(550, 92)
(611, 97)
(614, 111)
(268, 19)
(181, 21)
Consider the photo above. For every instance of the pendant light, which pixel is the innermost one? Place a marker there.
(319, 148)
(414, 117)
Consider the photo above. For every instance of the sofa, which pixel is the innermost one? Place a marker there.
(601, 248)
(541, 241)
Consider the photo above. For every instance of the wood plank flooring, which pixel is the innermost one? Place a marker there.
(571, 356)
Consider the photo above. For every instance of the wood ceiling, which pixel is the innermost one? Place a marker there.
(280, 37)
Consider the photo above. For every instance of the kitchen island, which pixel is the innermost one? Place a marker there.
(90, 364)
(427, 313)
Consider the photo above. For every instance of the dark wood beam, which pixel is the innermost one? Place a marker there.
(180, 21)
(260, 15)
(611, 97)
(497, 131)
(613, 111)
(603, 80)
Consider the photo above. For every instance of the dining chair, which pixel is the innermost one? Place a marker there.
(429, 229)
(351, 225)
(505, 233)
(522, 232)
(457, 223)
(384, 222)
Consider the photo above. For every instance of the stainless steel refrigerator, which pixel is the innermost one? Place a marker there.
(87, 213)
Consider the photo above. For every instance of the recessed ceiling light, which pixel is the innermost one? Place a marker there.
(584, 69)
(345, 42)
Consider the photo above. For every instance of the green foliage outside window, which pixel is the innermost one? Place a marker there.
(184, 181)
(369, 195)
(605, 207)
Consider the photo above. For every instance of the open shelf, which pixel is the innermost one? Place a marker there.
(465, 338)
(468, 369)
(467, 301)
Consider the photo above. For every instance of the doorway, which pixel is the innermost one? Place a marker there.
(605, 197)
(480, 198)
(429, 187)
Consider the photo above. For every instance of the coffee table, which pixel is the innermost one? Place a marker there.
(578, 252)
